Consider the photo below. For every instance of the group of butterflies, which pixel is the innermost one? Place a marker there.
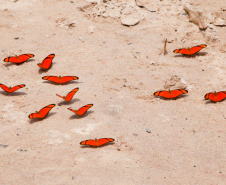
(42, 113)
(172, 94)
(46, 64)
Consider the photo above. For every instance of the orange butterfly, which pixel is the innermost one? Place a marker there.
(96, 142)
(47, 62)
(11, 89)
(190, 51)
(43, 112)
(216, 96)
(171, 94)
(69, 95)
(59, 79)
(19, 59)
(82, 110)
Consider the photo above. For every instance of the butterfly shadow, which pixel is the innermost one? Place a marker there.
(29, 60)
(68, 103)
(13, 93)
(71, 82)
(191, 56)
(212, 102)
(168, 99)
(94, 147)
(34, 120)
(75, 116)
(42, 70)
(10, 64)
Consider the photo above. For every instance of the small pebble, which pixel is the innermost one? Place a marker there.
(4, 146)
(22, 150)
(134, 56)
(16, 38)
(148, 130)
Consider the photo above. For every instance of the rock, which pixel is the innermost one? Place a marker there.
(170, 39)
(66, 23)
(219, 22)
(72, 24)
(130, 20)
(91, 29)
(127, 10)
(93, 1)
(175, 82)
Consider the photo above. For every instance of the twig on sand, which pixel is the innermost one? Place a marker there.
(164, 52)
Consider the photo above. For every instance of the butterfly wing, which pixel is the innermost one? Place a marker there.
(182, 51)
(190, 51)
(12, 59)
(221, 95)
(103, 141)
(65, 79)
(71, 94)
(216, 97)
(15, 88)
(10, 90)
(82, 110)
(178, 92)
(164, 94)
(47, 62)
(211, 96)
(5, 88)
(89, 142)
(24, 57)
(62, 97)
(43, 112)
(171, 94)
(19, 59)
(52, 78)
(196, 49)
(96, 142)
(60, 79)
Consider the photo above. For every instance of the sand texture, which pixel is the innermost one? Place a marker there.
(115, 47)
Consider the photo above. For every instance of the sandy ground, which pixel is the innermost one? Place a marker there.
(119, 69)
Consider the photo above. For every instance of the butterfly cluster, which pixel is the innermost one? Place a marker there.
(47, 63)
(214, 96)
(43, 112)
(173, 94)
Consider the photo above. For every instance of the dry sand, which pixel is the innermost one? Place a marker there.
(120, 68)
